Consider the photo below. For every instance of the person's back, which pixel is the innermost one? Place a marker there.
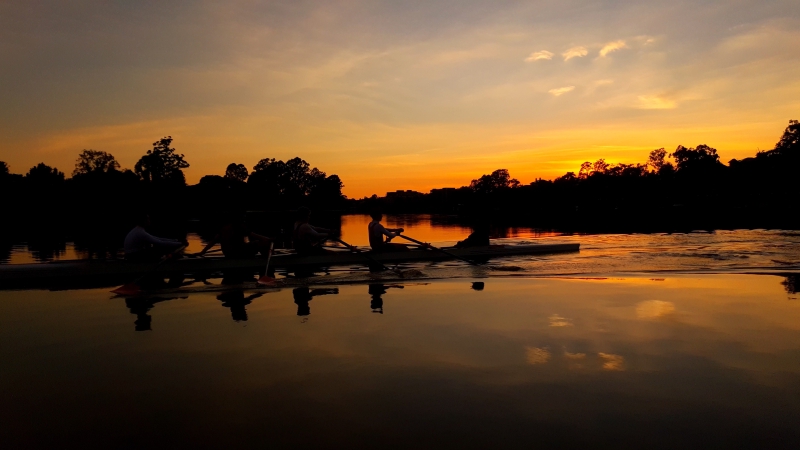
(379, 235)
(232, 239)
(140, 245)
(376, 232)
(306, 238)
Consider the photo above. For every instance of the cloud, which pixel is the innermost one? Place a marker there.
(575, 52)
(612, 361)
(536, 355)
(558, 321)
(656, 102)
(612, 47)
(536, 56)
(561, 90)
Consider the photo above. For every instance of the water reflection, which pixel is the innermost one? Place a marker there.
(791, 283)
(141, 306)
(236, 301)
(376, 292)
(303, 295)
(561, 363)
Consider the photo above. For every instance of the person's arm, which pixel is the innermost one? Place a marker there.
(211, 243)
(390, 232)
(314, 232)
(320, 229)
(162, 241)
(257, 237)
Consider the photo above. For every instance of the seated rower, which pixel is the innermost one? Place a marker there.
(478, 238)
(143, 246)
(306, 238)
(237, 241)
(377, 232)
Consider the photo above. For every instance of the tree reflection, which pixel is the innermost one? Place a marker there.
(791, 283)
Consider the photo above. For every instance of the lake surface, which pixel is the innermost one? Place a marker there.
(637, 341)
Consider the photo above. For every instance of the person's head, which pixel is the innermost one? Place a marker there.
(303, 214)
(376, 215)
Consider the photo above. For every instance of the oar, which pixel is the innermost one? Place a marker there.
(266, 279)
(133, 287)
(424, 244)
(366, 255)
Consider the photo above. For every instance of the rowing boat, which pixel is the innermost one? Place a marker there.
(109, 272)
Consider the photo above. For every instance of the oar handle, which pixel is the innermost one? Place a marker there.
(366, 255)
(424, 244)
(439, 249)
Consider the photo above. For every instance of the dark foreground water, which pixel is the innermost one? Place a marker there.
(629, 361)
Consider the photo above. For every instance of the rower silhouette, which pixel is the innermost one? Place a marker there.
(140, 308)
(236, 301)
(376, 292)
(303, 295)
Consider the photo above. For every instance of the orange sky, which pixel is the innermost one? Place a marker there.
(391, 96)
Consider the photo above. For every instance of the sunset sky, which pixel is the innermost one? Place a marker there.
(395, 94)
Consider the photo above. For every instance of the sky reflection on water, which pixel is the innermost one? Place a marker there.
(630, 361)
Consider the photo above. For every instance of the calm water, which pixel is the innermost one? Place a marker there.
(684, 361)
(638, 341)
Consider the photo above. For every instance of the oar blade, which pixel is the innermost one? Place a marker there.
(267, 281)
(128, 289)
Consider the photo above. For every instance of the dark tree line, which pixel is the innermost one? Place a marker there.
(98, 203)
(689, 188)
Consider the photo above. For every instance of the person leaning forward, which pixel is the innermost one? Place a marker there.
(143, 246)
(237, 241)
(308, 239)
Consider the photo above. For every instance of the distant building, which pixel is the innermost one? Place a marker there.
(443, 194)
(403, 195)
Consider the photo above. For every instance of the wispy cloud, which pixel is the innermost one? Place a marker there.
(575, 52)
(612, 47)
(536, 56)
(656, 102)
(561, 90)
(536, 355)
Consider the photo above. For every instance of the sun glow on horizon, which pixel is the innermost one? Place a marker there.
(395, 98)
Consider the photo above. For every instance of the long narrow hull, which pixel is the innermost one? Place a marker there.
(96, 272)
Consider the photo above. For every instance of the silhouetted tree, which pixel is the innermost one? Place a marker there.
(94, 161)
(696, 159)
(162, 164)
(657, 159)
(293, 181)
(44, 174)
(585, 170)
(3, 168)
(236, 172)
(790, 139)
(497, 180)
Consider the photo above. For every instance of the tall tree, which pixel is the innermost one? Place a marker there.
(790, 139)
(44, 174)
(497, 180)
(94, 161)
(697, 159)
(236, 172)
(3, 168)
(162, 164)
(657, 159)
